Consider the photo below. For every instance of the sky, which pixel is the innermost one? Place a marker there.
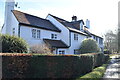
(103, 14)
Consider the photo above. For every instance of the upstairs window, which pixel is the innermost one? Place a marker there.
(75, 36)
(96, 39)
(13, 31)
(53, 36)
(38, 34)
(34, 33)
(100, 41)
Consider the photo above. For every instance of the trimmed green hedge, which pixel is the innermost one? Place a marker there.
(47, 66)
(96, 74)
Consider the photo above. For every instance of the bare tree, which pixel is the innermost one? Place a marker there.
(111, 41)
(40, 49)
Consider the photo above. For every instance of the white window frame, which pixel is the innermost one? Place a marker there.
(100, 41)
(75, 36)
(33, 33)
(36, 33)
(13, 31)
(53, 36)
(61, 51)
(75, 51)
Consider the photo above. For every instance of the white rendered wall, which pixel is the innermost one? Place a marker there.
(75, 44)
(3, 30)
(9, 6)
(64, 31)
(26, 34)
(15, 24)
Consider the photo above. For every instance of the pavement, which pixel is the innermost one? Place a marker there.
(113, 69)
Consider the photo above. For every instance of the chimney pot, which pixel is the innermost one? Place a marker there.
(74, 18)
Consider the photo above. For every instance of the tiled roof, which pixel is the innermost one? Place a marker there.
(27, 19)
(56, 43)
(74, 26)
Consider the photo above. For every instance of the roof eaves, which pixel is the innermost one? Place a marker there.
(66, 46)
(96, 35)
(38, 27)
(77, 31)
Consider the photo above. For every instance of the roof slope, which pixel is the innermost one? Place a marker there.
(72, 26)
(56, 43)
(27, 19)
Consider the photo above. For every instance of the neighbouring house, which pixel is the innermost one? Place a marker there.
(64, 37)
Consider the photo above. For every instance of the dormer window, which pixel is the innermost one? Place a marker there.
(81, 26)
(53, 36)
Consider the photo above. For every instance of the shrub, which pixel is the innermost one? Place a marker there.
(13, 44)
(40, 48)
(89, 46)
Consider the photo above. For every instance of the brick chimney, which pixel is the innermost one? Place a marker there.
(88, 23)
(74, 18)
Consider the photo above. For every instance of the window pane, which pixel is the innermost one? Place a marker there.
(61, 52)
(75, 36)
(33, 33)
(13, 31)
(53, 36)
(38, 34)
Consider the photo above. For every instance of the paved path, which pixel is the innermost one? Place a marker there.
(113, 69)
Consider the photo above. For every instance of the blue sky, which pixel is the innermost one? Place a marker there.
(103, 14)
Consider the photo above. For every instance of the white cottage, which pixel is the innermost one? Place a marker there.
(63, 36)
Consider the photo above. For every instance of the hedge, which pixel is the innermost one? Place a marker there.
(96, 74)
(46, 66)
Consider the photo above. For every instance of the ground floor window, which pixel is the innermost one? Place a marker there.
(76, 51)
(61, 51)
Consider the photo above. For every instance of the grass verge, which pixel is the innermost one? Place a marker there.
(96, 74)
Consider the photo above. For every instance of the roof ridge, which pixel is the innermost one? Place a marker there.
(30, 14)
(57, 17)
